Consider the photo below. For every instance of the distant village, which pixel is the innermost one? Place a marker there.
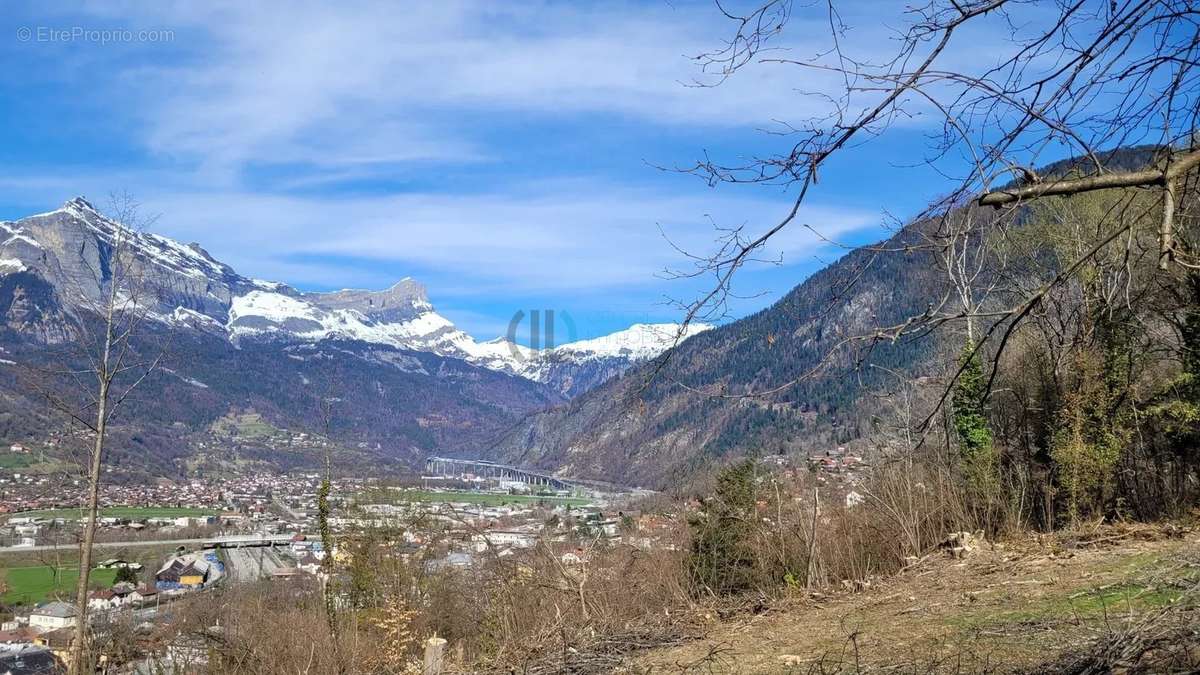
(212, 534)
(208, 533)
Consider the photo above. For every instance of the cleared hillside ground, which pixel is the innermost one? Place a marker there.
(1005, 608)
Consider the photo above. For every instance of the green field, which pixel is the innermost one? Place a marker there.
(486, 498)
(120, 512)
(67, 555)
(10, 460)
(249, 425)
(31, 585)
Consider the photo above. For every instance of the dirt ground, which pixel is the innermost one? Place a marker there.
(1004, 607)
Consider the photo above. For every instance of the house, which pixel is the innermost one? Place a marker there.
(17, 447)
(309, 563)
(53, 616)
(185, 571)
(103, 600)
(499, 538)
(57, 641)
(123, 592)
(451, 560)
(31, 660)
(18, 635)
(143, 594)
(188, 521)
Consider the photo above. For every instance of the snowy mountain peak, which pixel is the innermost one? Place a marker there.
(639, 341)
(80, 204)
(403, 300)
(193, 290)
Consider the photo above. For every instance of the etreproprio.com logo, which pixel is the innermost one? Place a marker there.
(100, 36)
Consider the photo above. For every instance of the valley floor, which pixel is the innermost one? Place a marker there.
(1005, 608)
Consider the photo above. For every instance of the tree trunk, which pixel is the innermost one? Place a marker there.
(79, 643)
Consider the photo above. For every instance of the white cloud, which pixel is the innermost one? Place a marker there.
(343, 93)
(571, 235)
(603, 238)
(371, 83)
(374, 82)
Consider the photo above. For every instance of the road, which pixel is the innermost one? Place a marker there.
(233, 540)
(251, 564)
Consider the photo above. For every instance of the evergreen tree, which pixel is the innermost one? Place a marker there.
(126, 575)
(975, 444)
(719, 561)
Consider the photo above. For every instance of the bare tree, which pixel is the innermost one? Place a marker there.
(107, 303)
(1071, 79)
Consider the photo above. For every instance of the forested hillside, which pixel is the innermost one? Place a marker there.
(815, 370)
(671, 418)
(391, 405)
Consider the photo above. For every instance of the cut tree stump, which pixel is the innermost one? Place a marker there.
(435, 648)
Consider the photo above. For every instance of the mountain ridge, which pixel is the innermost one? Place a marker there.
(409, 381)
(661, 424)
(400, 315)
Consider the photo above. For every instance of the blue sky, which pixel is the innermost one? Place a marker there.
(501, 153)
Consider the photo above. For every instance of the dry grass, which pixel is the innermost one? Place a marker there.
(1002, 609)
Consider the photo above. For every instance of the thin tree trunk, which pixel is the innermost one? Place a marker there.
(104, 378)
(78, 645)
(810, 576)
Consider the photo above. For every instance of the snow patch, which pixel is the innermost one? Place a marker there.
(274, 307)
(640, 341)
(187, 316)
(185, 378)
(11, 265)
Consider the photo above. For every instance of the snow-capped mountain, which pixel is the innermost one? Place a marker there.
(68, 250)
(576, 367)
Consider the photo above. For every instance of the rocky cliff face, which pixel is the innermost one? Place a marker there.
(71, 249)
(404, 301)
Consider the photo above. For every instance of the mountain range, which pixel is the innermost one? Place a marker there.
(410, 384)
(800, 376)
(189, 288)
(419, 385)
(805, 375)
(790, 379)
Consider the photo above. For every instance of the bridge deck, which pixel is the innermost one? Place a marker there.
(481, 467)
